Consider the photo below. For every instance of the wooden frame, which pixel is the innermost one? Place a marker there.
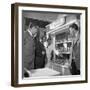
(15, 42)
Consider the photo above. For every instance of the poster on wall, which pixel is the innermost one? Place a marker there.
(48, 44)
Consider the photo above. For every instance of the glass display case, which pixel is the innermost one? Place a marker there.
(63, 44)
(62, 47)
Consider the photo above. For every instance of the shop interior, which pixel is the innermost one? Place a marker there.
(56, 26)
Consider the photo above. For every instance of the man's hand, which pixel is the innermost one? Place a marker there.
(56, 52)
(43, 52)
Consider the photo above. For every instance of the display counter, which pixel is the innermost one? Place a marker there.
(43, 72)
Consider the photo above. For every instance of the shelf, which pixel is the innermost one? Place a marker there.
(61, 65)
(63, 42)
(65, 52)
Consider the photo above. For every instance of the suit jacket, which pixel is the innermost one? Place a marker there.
(29, 51)
(39, 57)
(76, 54)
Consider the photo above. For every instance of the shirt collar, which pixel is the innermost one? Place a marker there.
(29, 32)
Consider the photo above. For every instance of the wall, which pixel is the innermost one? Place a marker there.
(5, 45)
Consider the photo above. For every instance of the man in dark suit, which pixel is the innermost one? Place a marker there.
(40, 54)
(75, 65)
(29, 48)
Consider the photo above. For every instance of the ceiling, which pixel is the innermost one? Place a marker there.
(45, 16)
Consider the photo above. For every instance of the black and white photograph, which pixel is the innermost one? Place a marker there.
(51, 44)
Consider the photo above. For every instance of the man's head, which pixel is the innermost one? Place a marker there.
(49, 40)
(33, 28)
(73, 29)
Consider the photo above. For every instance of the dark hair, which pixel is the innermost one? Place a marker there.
(75, 26)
